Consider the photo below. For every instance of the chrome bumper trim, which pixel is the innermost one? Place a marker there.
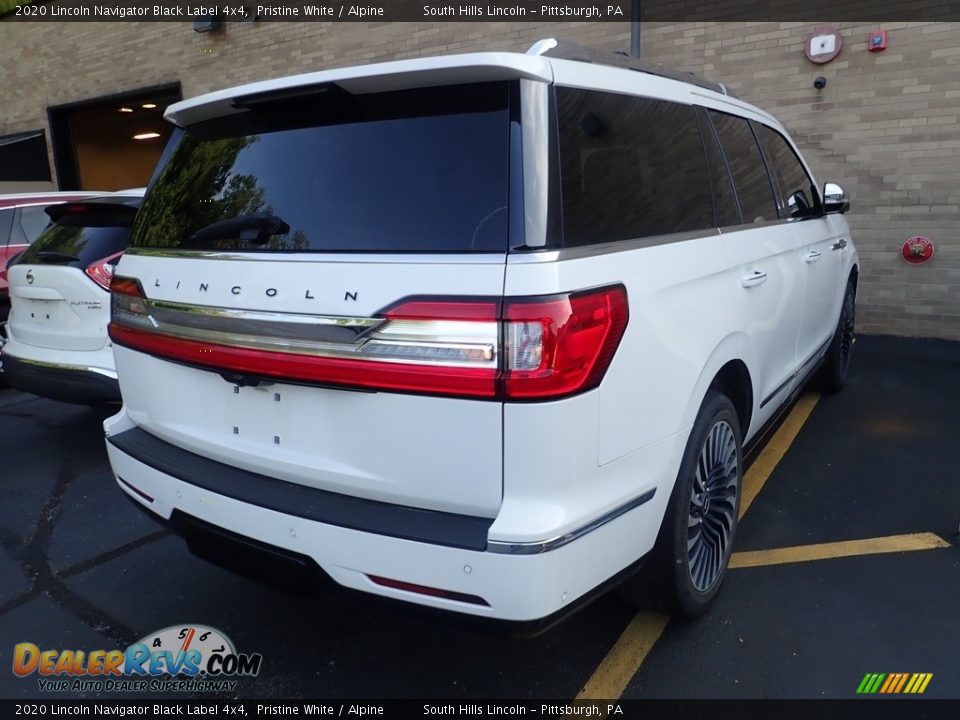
(111, 374)
(542, 546)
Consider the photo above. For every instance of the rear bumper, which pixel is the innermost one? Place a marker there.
(62, 381)
(314, 533)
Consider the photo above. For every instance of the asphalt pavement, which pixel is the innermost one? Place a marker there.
(81, 568)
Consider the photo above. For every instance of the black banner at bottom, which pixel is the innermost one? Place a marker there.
(872, 708)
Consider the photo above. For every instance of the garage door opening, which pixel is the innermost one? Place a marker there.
(111, 143)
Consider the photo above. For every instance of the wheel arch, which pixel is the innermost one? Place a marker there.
(726, 371)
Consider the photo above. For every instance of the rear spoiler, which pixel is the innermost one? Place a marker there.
(101, 212)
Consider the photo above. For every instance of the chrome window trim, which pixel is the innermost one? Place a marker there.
(326, 257)
(542, 546)
(585, 251)
(534, 124)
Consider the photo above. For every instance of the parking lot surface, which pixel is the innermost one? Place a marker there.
(81, 568)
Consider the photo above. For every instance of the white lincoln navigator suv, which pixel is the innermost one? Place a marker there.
(483, 332)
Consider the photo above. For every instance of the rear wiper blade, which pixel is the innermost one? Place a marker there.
(53, 255)
(255, 228)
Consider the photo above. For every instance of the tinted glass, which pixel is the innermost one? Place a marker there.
(746, 165)
(423, 170)
(797, 192)
(725, 202)
(6, 221)
(630, 168)
(76, 246)
(33, 220)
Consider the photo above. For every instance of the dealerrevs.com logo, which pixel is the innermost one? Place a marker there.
(182, 658)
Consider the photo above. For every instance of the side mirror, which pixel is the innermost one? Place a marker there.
(834, 199)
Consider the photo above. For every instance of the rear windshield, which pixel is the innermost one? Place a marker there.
(76, 246)
(422, 170)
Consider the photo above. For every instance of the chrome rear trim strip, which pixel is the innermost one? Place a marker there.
(542, 546)
(70, 368)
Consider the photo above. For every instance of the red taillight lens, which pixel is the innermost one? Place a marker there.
(512, 349)
(101, 272)
(126, 286)
(561, 345)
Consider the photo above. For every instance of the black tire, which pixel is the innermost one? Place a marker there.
(675, 579)
(833, 373)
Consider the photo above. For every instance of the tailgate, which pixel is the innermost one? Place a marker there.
(57, 307)
(441, 453)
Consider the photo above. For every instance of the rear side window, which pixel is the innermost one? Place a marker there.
(725, 202)
(754, 191)
(798, 196)
(33, 220)
(6, 222)
(423, 170)
(630, 168)
(76, 246)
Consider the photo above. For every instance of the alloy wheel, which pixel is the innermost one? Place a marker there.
(713, 506)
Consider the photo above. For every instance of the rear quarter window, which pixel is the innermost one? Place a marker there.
(631, 168)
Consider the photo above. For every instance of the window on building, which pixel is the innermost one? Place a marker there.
(631, 168)
(23, 157)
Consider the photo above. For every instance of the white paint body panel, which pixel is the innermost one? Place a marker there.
(62, 309)
(540, 470)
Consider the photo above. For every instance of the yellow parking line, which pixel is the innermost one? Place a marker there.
(623, 661)
(774, 450)
(610, 678)
(845, 548)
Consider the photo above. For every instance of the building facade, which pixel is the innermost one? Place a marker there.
(884, 126)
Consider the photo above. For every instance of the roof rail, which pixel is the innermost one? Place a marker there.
(565, 50)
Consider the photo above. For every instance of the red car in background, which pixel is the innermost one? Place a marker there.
(22, 219)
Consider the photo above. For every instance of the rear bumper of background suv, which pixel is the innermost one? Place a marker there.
(81, 377)
(437, 559)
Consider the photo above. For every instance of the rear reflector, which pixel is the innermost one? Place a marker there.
(535, 348)
(424, 590)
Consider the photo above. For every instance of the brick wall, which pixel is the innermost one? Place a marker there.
(884, 127)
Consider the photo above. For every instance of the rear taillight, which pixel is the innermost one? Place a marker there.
(563, 344)
(101, 272)
(512, 349)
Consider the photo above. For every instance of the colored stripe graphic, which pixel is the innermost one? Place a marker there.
(894, 683)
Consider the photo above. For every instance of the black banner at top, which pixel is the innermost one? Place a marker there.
(479, 11)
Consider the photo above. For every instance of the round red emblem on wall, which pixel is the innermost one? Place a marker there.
(917, 250)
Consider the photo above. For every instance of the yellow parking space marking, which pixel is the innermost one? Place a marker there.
(623, 661)
(610, 679)
(845, 548)
(771, 455)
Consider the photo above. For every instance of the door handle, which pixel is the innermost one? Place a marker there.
(755, 278)
(839, 244)
(812, 256)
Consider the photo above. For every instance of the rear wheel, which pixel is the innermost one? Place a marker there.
(833, 374)
(689, 561)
